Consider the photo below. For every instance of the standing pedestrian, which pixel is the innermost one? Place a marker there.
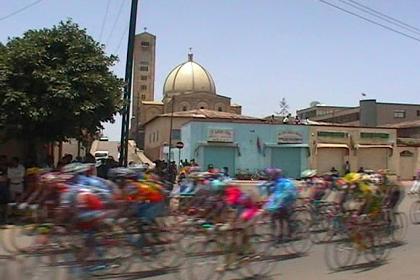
(15, 174)
(347, 167)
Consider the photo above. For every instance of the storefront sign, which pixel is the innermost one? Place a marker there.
(220, 135)
(290, 138)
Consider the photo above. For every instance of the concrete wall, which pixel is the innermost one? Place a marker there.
(160, 128)
(246, 135)
(352, 139)
(385, 113)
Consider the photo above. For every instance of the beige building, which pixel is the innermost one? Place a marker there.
(370, 148)
(369, 113)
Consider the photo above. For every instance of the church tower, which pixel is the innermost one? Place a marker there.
(143, 79)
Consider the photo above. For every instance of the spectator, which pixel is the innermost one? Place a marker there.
(226, 171)
(361, 170)
(297, 120)
(16, 174)
(210, 168)
(347, 167)
(4, 196)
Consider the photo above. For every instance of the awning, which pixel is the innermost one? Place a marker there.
(331, 145)
(360, 146)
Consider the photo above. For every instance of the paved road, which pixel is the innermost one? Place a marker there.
(403, 263)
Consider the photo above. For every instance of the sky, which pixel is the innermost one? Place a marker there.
(258, 51)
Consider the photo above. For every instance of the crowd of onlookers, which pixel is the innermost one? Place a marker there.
(16, 176)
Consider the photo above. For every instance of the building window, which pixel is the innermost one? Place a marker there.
(157, 135)
(176, 134)
(143, 97)
(143, 78)
(184, 108)
(143, 87)
(201, 107)
(154, 137)
(220, 109)
(418, 113)
(145, 44)
(399, 114)
(144, 68)
(374, 135)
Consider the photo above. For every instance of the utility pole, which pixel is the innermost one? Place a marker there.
(127, 86)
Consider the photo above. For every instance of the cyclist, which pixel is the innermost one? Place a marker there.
(280, 202)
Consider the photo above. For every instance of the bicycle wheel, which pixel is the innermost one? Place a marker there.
(319, 228)
(299, 227)
(344, 253)
(257, 258)
(399, 226)
(203, 259)
(415, 212)
(21, 238)
(376, 249)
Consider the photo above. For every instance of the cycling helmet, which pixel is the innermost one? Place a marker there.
(308, 173)
(122, 173)
(76, 168)
(273, 173)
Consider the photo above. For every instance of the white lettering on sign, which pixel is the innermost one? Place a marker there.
(290, 138)
(220, 135)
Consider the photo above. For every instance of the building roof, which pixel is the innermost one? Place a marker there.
(209, 114)
(188, 77)
(153, 102)
(407, 124)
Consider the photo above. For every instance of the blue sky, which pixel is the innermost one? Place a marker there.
(258, 51)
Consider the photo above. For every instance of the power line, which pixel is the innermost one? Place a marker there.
(370, 20)
(116, 21)
(380, 15)
(20, 10)
(384, 15)
(121, 40)
(104, 20)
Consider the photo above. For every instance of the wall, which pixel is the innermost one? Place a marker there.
(352, 140)
(160, 128)
(385, 113)
(246, 136)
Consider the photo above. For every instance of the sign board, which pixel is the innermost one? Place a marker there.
(180, 145)
(290, 138)
(220, 135)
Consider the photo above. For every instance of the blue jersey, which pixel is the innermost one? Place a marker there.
(284, 194)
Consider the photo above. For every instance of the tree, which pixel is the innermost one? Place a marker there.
(284, 108)
(56, 84)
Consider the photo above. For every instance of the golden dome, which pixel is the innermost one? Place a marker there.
(188, 77)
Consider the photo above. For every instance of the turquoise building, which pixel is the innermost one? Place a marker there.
(246, 146)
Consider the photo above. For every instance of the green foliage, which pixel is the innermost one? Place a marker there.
(56, 84)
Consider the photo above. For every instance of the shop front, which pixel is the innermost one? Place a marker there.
(374, 150)
(331, 149)
(218, 150)
(290, 151)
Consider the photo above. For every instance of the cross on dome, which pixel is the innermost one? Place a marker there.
(190, 55)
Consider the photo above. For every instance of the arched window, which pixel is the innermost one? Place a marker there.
(184, 108)
(201, 107)
(220, 109)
